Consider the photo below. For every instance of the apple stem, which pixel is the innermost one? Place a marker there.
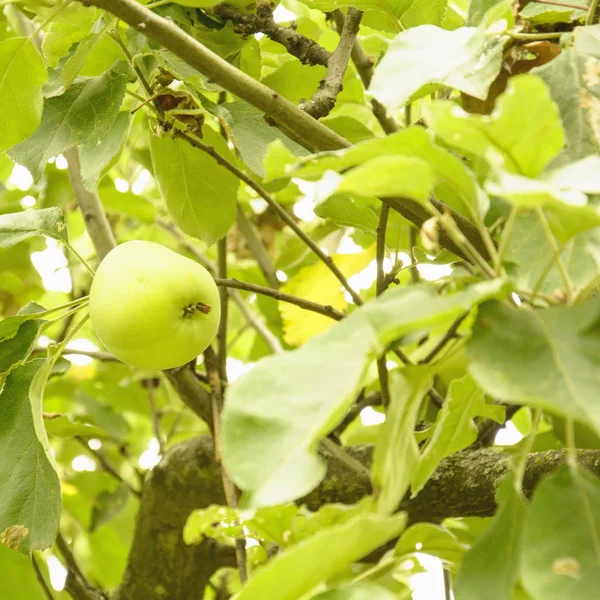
(192, 308)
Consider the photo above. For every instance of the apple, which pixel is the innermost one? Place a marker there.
(153, 308)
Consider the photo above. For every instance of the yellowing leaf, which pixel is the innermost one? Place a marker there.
(318, 283)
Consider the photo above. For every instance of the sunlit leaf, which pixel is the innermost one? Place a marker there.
(396, 452)
(317, 283)
(22, 75)
(16, 227)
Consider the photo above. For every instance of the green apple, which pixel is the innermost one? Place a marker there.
(153, 308)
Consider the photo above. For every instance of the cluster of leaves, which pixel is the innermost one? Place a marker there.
(492, 132)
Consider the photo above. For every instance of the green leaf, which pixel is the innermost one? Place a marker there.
(15, 350)
(413, 13)
(568, 210)
(200, 194)
(454, 428)
(396, 452)
(276, 405)
(63, 427)
(357, 591)
(470, 62)
(561, 549)
(21, 581)
(108, 505)
(95, 158)
(66, 28)
(540, 14)
(22, 75)
(16, 227)
(126, 203)
(345, 212)
(522, 135)
(252, 135)
(434, 540)
(391, 176)
(546, 358)
(29, 486)
(215, 521)
(527, 257)
(491, 568)
(10, 325)
(320, 557)
(83, 115)
(414, 142)
(570, 79)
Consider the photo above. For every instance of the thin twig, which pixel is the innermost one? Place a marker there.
(591, 12)
(258, 249)
(68, 556)
(40, 578)
(323, 100)
(565, 4)
(365, 66)
(102, 356)
(285, 217)
(505, 239)
(255, 322)
(338, 452)
(106, 466)
(224, 297)
(448, 336)
(78, 589)
(564, 273)
(212, 368)
(517, 35)
(307, 51)
(362, 402)
(382, 369)
(413, 232)
(327, 310)
(151, 385)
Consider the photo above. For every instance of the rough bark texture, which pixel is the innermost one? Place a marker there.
(161, 565)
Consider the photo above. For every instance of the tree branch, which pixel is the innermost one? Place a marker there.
(365, 65)
(328, 311)
(323, 100)
(307, 51)
(382, 369)
(270, 200)
(314, 135)
(94, 217)
(257, 248)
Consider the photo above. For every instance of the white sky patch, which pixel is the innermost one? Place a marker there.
(57, 572)
(150, 457)
(27, 202)
(258, 205)
(80, 344)
(61, 162)
(428, 585)
(122, 185)
(83, 463)
(433, 272)
(304, 209)
(142, 181)
(348, 245)
(236, 368)
(281, 276)
(20, 178)
(508, 435)
(516, 299)
(281, 14)
(51, 264)
(94, 444)
(44, 341)
(369, 416)
(259, 35)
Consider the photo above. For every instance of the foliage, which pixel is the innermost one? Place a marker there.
(400, 204)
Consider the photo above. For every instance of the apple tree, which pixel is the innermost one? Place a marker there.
(299, 299)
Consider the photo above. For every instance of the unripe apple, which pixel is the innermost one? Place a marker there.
(153, 308)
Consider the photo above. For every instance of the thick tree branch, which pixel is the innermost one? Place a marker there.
(323, 100)
(188, 477)
(303, 48)
(313, 134)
